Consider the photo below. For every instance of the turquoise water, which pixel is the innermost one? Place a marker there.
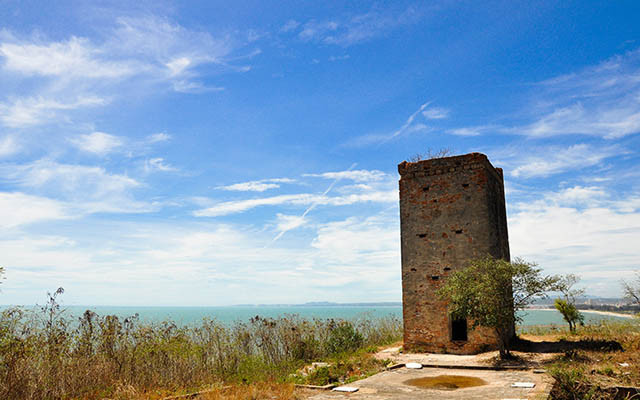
(228, 315)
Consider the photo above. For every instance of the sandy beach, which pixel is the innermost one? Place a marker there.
(615, 314)
(610, 313)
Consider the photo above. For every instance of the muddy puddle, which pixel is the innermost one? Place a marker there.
(446, 382)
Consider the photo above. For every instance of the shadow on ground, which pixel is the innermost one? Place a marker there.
(562, 345)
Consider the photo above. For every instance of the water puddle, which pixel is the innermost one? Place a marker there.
(446, 382)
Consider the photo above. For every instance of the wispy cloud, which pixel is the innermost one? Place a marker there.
(355, 29)
(97, 142)
(232, 207)
(257, 186)
(436, 113)
(473, 130)
(301, 219)
(79, 72)
(158, 137)
(30, 111)
(286, 223)
(550, 160)
(361, 175)
(420, 120)
(8, 146)
(75, 57)
(603, 100)
(374, 187)
(86, 189)
(290, 25)
(158, 164)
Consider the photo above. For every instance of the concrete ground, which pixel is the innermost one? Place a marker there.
(530, 360)
(391, 385)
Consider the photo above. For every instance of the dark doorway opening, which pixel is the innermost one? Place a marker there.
(458, 329)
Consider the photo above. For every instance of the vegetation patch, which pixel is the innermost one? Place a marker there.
(46, 355)
(597, 361)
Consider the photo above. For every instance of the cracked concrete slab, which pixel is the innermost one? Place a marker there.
(391, 385)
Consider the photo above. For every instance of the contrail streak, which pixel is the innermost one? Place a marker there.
(311, 207)
(409, 121)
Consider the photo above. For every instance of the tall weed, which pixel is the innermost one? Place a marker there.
(46, 355)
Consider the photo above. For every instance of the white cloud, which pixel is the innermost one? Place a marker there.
(603, 100)
(186, 86)
(313, 30)
(290, 26)
(104, 262)
(157, 164)
(136, 46)
(19, 209)
(168, 47)
(158, 137)
(77, 72)
(178, 65)
(347, 31)
(97, 142)
(8, 146)
(31, 111)
(579, 230)
(86, 189)
(610, 121)
(286, 223)
(436, 113)
(345, 242)
(75, 57)
(256, 186)
(232, 207)
(472, 130)
(379, 188)
(361, 175)
(553, 160)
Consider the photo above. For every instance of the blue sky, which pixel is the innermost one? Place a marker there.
(214, 153)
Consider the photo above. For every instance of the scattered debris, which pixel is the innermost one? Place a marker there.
(539, 371)
(391, 366)
(309, 369)
(317, 387)
(624, 364)
(527, 385)
(348, 389)
(412, 365)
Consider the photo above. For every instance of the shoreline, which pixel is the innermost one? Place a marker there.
(608, 313)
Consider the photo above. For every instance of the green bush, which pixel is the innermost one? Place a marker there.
(343, 337)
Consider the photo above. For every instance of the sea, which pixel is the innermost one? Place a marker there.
(231, 314)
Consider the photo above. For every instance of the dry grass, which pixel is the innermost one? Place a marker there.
(45, 355)
(594, 359)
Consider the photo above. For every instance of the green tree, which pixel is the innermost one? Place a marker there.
(567, 305)
(490, 291)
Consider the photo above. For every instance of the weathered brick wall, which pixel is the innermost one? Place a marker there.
(451, 210)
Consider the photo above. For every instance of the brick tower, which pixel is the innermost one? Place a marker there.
(451, 210)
